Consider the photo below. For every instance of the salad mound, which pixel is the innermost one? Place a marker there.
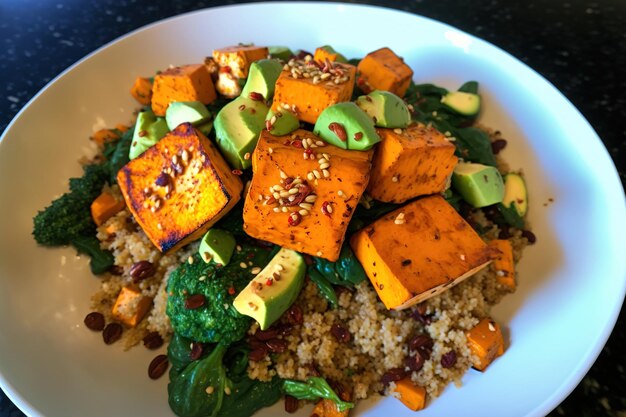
(298, 226)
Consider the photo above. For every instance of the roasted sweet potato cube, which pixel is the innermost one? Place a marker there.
(503, 264)
(105, 206)
(238, 58)
(309, 207)
(309, 96)
(411, 395)
(186, 83)
(322, 54)
(131, 306)
(142, 90)
(328, 408)
(384, 70)
(179, 188)
(418, 251)
(486, 342)
(410, 162)
(103, 136)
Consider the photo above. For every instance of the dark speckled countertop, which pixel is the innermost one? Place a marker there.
(578, 45)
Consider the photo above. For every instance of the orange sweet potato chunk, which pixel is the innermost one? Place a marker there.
(322, 54)
(320, 230)
(503, 264)
(410, 162)
(310, 96)
(142, 90)
(384, 70)
(131, 306)
(105, 206)
(186, 83)
(238, 58)
(418, 251)
(485, 340)
(411, 395)
(179, 188)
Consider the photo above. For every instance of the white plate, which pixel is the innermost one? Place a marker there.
(571, 283)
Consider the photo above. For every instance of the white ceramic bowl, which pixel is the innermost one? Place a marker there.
(571, 283)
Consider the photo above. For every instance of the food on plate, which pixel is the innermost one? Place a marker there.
(378, 227)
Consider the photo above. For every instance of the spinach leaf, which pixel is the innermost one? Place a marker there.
(101, 260)
(469, 87)
(510, 215)
(473, 145)
(248, 396)
(313, 389)
(453, 198)
(324, 287)
(346, 271)
(116, 154)
(179, 354)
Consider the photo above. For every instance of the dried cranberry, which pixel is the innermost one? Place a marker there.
(158, 366)
(414, 362)
(341, 333)
(497, 145)
(448, 360)
(194, 301)
(530, 236)
(294, 315)
(258, 354)
(196, 351)
(291, 404)
(265, 335)
(153, 340)
(142, 270)
(393, 375)
(277, 345)
(94, 321)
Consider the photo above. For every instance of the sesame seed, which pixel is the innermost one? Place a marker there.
(399, 221)
(175, 159)
(325, 166)
(185, 155)
(273, 120)
(394, 178)
(159, 226)
(276, 195)
(327, 156)
(190, 260)
(310, 176)
(320, 144)
(492, 328)
(306, 206)
(286, 193)
(227, 390)
(284, 209)
(201, 278)
(317, 174)
(340, 193)
(209, 390)
(283, 174)
(326, 173)
(294, 191)
(400, 216)
(322, 161)
(243, 265)
(270, 150)
(239, 248)
(276, 209)
(305, 155)
(292, 198)
(303, 212)
(297, 181)
(246, 156)
(278, 188)
(226, 306)
(310, 198)
(255, 270)
(329, 207)
(397, 130)
(157, 203)
(152, 209)
(319, 253)
(462, 257)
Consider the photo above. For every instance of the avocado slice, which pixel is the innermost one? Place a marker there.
(218, 245)
(284, 122)
(467, 104)
(340, 58)
(385, 108)
(358, 127)
(193, 112)
(262, 78)
(237, 128)
(274, 289)
(149, 129)
(280, 52)
(480, 185)
(515, 193)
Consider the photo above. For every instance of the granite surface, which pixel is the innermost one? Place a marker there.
(578, 45)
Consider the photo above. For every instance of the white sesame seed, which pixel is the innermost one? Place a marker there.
(175, 159)
(276, 195)
(239, 248)
(400, 216)
(327, 156)
(329, 207)
(492, 328)
(317, 174)
(394, 178)
(273, 120)
(399, 221)
(297, 181)
(340, 193)
(284, 209)
(310, 198)
(326, 173)
(226, 306)
(190, 260)
(319, 253)
(305, 155)
(397, 130)
(286, 193)
(293, 191)
(462, 257)
(209, 390)
(227, 390)
(157, 203)
(152, 209)
(500, 273)
(246, 156)
(270, 150)
(276, 209)
(185, 155)
(278, 188)
(255, 270)
(310, 176)
(243, 265)
(306, 206)
(320, 144)
(322, 160)
(305, 144)
(159, 226)
(325, 166)
(260, 197)
(303, 212)
(283, 174)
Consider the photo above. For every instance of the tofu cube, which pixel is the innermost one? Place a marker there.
(384, 70)
(294, 202)
(185, 83)
(486, 342)
(179, 188)
(131, 306)
(238, 58)
(418, 251)
(411, 162)
(309, 96)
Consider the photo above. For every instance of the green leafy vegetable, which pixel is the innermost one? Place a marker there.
(101, 260)
(220, 369)
(217, 320)
(510, 215)
(469, 87)
(324, 287)
(314, 388)
(116, 154)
